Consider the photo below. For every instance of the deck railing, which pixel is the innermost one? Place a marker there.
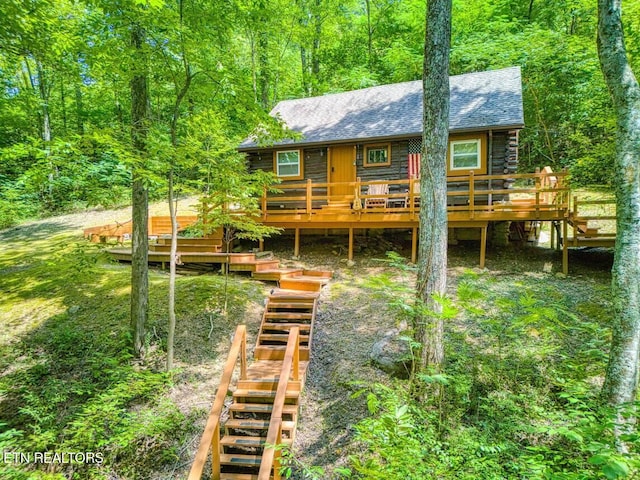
(210, 440)
(596, 218)
(290, 370)
(542, 191)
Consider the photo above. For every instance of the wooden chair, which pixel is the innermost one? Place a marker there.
(377, 189)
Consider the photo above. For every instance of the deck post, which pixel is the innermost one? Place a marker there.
(215, 453)
(296, 243)
(263, 203)
(350, 244)
(565, 248)
(412, 200)
(575, 221)
(309, 197)
(483, 243)
(552, 234)
(472, 195)
(414, 245)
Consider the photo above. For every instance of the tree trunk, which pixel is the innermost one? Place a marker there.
(369, 34)
(173, 256)
(172, 274)
(264, 78)
(140, 201)
(621, 381)
(432, 271)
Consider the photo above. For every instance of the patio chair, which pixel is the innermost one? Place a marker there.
(377, 189)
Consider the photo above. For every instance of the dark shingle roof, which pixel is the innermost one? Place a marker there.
(479, 101)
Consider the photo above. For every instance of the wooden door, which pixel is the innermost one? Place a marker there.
(342, 168)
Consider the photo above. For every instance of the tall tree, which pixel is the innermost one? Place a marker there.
(432, 268)
(621, 381)
(140, 196)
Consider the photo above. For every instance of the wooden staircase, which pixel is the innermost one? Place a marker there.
(264, 404)
(585, 234)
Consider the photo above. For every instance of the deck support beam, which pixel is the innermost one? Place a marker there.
(565, 247)
(350, 257)
(483, 244)
(296, 243)
(414, 245)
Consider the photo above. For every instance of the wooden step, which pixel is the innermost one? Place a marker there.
(261, 408)
(304, 304)
(285, 327)
(240, 460)
(253, 266)
(261, 369)
(276, 274)
(239, 476)
(263, 396)
(267, 384)
(282, 295)
(187, 248)
(236, 258)
(303, 285)
(289, 315)
(311, 278)
(267, 265)
(318, 273)
(256, 425)
(276, 352)
(242, 441)
(282, 338)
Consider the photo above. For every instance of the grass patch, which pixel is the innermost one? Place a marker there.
(68, 382)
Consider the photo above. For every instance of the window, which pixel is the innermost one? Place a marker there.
(377, 156)
(288, 164)
(466, 154)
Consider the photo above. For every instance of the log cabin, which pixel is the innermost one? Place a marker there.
(354, 163)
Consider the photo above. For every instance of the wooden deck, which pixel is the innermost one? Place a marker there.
(474, 201)
(265, 399)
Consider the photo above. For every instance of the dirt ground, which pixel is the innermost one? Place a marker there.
(351, 320)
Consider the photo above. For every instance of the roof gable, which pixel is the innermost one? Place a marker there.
(479, 101)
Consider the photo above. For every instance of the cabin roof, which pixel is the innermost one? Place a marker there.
(479, 101)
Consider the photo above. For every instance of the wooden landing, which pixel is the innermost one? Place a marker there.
(264, 410)
(207, 252)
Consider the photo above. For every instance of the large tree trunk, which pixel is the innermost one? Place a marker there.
(622, 371)
(140, 201)
(432, 271)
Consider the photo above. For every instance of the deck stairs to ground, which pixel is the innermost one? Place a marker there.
(200, 251)
(264, 405)
(585, 234)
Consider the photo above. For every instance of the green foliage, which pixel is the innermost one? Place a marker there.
(290, 466)
(518, 397)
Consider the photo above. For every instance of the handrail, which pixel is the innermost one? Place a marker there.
(548, 191)
(290, 366)
(577, 218)
(210, 440)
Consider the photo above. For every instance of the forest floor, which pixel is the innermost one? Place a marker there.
(351, 318)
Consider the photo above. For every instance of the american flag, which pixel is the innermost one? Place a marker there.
(413, 159)
(414, 165)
